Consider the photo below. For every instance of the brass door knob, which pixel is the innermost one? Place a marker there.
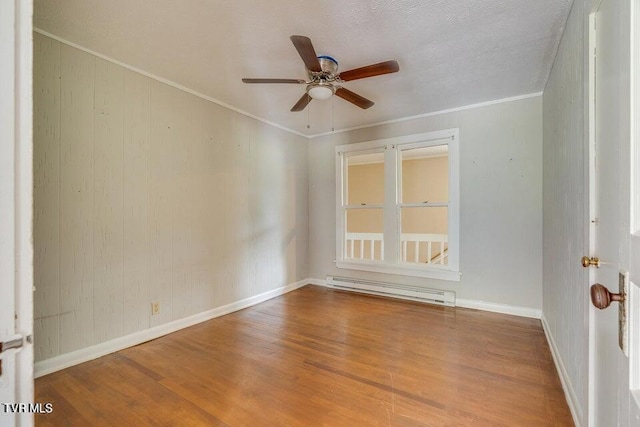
(586, 261)
(602, 298)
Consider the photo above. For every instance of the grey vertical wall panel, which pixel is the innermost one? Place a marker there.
(161, 200)
(216, 166)
(108, 201)
(565, 307)
(159, 196)
(183, 227)
(76, 199)
(46, 334)
(46, 169)
(266, 215)
(240, 235)
(231, 184)
(137, 142)
(294, 244)
(203, 249)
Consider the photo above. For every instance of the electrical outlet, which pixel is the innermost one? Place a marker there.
(155, 308)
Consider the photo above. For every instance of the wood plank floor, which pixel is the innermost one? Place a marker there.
(319, 357)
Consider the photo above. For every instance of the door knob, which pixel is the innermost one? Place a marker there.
(587, 262)
(601, 297)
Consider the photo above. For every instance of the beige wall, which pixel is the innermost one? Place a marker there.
(500, 201)
(423, 179)
(146, 193)
(365, 185)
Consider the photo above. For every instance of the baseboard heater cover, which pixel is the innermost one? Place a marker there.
(433, 296)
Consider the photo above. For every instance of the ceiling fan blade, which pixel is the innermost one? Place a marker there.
(354, 98)
(370, 71)
(302, 103)
(273, 81)
(307, 52)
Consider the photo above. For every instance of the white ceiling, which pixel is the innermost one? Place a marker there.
(451, 53)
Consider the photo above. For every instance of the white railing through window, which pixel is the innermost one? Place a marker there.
(417, 248)
(425, 248)
(365, 246)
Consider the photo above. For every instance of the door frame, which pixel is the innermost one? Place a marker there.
(16, 52)
(591, 207)
(24, 197)
(634, 285)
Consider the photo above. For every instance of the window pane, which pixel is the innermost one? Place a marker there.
(424, 237)
(365, 179)
(425, 174)
(364, 234)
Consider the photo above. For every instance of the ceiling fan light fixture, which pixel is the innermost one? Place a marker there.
(320, 91)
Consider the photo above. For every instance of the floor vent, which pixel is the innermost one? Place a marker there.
(413, 293)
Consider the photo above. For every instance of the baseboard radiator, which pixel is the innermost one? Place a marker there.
(413, 293)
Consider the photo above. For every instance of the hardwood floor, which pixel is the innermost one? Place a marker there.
(319, 357)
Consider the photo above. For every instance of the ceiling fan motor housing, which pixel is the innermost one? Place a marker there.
(321, 86)
(328, 64)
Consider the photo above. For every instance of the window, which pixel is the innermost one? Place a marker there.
(397, 205)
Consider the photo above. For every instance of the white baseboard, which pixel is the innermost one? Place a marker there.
(66, 360)
(569, 392)
(514, 310)
(317, 282)
(467, 303)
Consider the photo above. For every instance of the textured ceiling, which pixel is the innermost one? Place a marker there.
(451, 53)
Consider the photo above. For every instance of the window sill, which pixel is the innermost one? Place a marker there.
(403, 270)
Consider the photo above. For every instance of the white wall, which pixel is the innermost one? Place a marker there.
(566, 220)
(501, 201)
(147, 193)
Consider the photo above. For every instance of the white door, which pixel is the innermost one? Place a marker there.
(16, 259)
(634, 199)
(610, 400)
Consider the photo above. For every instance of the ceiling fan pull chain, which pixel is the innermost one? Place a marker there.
(308, 109)
(333, 114)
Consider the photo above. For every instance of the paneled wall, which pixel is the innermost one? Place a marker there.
(565, 189)
(147, 193)
(500, 195)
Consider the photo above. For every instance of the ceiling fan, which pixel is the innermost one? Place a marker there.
(324, 79)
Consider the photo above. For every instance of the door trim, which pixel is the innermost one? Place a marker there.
(23, 164)
(591, 209)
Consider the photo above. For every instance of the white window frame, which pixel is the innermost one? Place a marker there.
(392, 263)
